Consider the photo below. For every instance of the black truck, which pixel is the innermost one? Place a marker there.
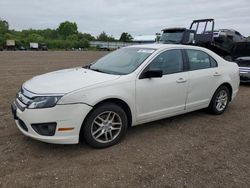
(227, 43)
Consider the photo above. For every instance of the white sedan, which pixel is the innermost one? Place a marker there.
(127, 87)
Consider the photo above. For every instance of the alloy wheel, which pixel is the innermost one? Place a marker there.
(221, 100)
(106, 127)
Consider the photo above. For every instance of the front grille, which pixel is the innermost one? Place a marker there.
(244, 69)
(23, 99)
(19, 106)
(22, 125)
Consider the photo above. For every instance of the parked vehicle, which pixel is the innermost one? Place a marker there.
(103, 47)
(225, 42)
(22, 48)
(244, 65)
(130, 86)
(34, 46)
(43, 47)
(10, 44)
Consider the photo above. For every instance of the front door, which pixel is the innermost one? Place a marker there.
(156, 98)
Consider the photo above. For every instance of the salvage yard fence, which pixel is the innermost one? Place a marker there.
(110, 45)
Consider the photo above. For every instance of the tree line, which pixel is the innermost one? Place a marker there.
(66, 36)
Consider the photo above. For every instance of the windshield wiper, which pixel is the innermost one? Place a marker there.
(87, 66)
(97, 70)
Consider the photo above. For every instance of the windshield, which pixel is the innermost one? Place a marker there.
(171, 37)
(122, 61)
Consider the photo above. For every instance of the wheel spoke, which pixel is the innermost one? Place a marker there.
(102, 132)
(98, 130)
(97, 123)
(218, 106)
(113, 117)
(100, 118)
(109, 114)
(116, 123)
(110, 134)
(115, 128)
(106, 136)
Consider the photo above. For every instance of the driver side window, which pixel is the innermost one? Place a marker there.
(169, 62)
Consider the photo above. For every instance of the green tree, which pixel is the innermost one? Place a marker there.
(83, 43)
(72, 37)
(9, 36)
(67, 28)
(126, 37)
(104, 37)
(86, 36)
(4, 26)
(35, 38)
(49, 33)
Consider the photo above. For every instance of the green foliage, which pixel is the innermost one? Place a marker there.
(67, 28)
(86, 36)
(9, 36)
(34, 37)
(126, 37)
(104, 37)
(2, 40)
(4, 26)
(72, 37)
(83, 43)
(65, 36)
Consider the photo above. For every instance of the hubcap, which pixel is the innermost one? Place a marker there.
(221, 100)
(106, 127)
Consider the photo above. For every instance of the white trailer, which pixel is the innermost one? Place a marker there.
(34, 46)
(10, 45)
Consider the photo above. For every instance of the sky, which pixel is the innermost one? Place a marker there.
(137, 17)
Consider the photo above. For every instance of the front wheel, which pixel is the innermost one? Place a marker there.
(220, 100)
(105, 126)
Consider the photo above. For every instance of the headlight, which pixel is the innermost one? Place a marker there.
(44, 102)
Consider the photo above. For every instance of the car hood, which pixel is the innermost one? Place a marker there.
(65, 81)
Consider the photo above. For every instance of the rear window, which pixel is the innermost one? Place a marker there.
(200, 60)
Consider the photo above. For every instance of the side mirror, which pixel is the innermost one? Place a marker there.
(155, 73)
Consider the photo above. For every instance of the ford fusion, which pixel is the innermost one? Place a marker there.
(127, 87)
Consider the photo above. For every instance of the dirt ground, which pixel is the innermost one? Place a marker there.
(191, 150)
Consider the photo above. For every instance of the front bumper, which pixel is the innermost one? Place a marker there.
(245, 77)
(65, 116)
(245, 74)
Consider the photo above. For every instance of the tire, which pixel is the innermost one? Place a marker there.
(220, 101)
(105, 126)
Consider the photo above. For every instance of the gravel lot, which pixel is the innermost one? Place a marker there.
(191, 150)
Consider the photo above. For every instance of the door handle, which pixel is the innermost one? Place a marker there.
(181, 80)
(217, 74)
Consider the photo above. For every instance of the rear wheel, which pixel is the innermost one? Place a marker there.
(220, 100)
(105, 126)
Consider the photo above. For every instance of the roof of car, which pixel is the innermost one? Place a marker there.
(157, 46)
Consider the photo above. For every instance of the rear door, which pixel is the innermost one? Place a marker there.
(204, 76)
